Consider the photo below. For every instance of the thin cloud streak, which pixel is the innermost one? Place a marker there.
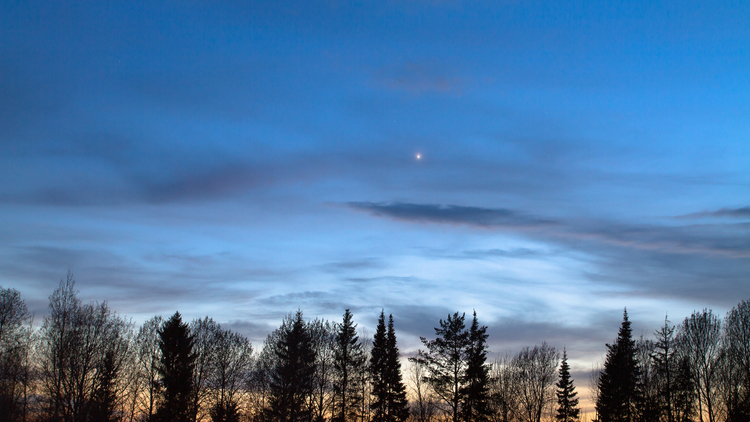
(451, 214)
(742, 212)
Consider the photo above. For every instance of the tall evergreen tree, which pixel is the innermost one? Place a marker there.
(475, 406)
(348, 356)
(567, 397)
(398, 410)
(104, 398)
(291, 377)
(379, 372)
(387, 383)
(664, 363)
(618, 393)
(176, 370)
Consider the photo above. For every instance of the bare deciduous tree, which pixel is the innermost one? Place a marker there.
(15, 344)
(537, 375)
(75, 340)
(699, 341)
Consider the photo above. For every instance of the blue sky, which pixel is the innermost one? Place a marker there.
(245, 159)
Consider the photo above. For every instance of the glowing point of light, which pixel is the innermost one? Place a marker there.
(419, 156)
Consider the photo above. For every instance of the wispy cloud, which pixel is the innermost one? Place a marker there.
(742, 212)
(451, 214)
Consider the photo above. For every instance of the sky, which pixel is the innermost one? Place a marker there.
(546, 164)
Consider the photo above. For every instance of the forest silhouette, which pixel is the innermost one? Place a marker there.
(86, 363)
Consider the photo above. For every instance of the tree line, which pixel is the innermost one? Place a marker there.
(698, 370)
(86, 363)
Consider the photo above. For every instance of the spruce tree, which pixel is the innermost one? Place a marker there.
(379, 372)
(567, 400)
(618, 394)
(397, 405)
(664, 357)
(175, 368)
(475, 407)
(105, 397)
(291, 377)
(348, 357)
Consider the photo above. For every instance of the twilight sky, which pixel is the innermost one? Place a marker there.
(245, 159)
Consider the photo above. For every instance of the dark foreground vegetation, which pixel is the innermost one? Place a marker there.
(88, 364)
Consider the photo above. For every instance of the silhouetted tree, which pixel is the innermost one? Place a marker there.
(145, 388)
(504, 391)
(737, 362)
(422, 407)
(700, 342)
(75, 339)
(204, 332)
(618, 397)
(665, 367)
(683, 394)
(104, 400)
(388, 388)
(475, 406)
(649, 405)
(567, 397)
(348, 356)
(398, 405)
(536, 374)
(231, 366)
(379, 372)
(291, 376)
(14, 348)
(176, 370)
(324, 344)
(446, 364)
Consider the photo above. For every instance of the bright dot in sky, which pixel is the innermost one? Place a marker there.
(419, 156)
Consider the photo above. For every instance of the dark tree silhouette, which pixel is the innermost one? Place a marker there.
(567, 397)
(176, 368)
(446, 363)
(699, 338)
(291, 377)
(683, 409)
(348, 357)
(398, 406)
(618, 395)
(475, 406)
(379, 372)
(665, 366)
(75, 339)
(230, 368)
(737, 362)
(387, 383)
(14, 347)
(105, 396)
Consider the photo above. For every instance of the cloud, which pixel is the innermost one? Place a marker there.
(450, 214)
(742, 212)
(419, 78)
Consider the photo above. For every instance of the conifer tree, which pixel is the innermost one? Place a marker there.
(398, 410)
(105, 397)
(475, 407)
(567, 400)
(379, 371)
(291, 377)
(176, 370)
(664, 362)
(388, 387)
(348, 357)
(618, 394)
